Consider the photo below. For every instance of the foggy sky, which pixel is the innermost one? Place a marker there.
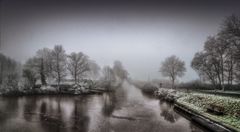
(141, 34)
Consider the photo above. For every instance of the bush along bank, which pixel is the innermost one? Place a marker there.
(84, 87)
(221, 110)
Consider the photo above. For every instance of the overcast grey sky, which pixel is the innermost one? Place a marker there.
(141, 34)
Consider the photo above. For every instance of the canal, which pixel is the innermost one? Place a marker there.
(125, 110)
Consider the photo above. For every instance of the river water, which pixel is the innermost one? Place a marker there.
(126, 110)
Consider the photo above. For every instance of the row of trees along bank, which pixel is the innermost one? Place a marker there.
(10, 71)
(219, 61)
(50, 65)
(54, 65)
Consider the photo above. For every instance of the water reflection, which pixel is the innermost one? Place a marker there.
(50, 120)
(80, 116)
(126, 110)
(9, 106)
(167, 112)
(109, 104)
(28, 109)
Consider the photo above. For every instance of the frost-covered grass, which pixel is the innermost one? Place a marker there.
(231, 105)
(199, 102)
(83, 87)
(165, 93)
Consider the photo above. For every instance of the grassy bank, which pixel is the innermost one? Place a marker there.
(199, 102)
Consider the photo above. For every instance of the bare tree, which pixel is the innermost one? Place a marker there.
(41, 64)
(78, 65)
(30, 77)
(93, 73)
(173, 67)
(230, 31)
(59, 59)
(229, 61)
(119, 70)
(2, 67)
(231, 26)
(31, 71)
(45, 64)
(219, 61)
(9, 73)
(204, 67)
(108, 76)
(215, 49)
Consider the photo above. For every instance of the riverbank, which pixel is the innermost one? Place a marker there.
(222, 93)
(199, 103)
(125, 109)
(87, 87)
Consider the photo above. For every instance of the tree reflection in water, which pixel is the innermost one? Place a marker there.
(80, 117)
(8, 109)
(123, 110)
(109, 100)
(167, 112)
(51, 119)
(29, 108)
(113, 101)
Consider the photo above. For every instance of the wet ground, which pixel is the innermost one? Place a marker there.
(126, 110)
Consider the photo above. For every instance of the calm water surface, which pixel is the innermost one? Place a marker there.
(126, 110)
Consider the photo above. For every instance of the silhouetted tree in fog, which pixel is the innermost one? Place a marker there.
(230, 32)
(45, 64)
(9, 73)
(59, 59)
(219, 61)
(108, 76)
(119, 70)
(204, 67)
(31, 71)
(215, 62)
(173, 67)
(40, 64)
(78, 65)
(93, 73)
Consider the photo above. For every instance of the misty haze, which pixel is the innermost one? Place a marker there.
(119, 66)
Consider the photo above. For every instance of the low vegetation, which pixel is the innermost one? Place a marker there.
(201, 103)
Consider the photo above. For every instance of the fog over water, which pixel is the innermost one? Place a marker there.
(139, 34)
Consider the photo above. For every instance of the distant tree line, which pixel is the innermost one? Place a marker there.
(54, 65)
(9, 73)
(219, 61)
(113, 77)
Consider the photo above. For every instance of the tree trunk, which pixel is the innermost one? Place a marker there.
(1, 71)
(222, 73)
(43, 78)
(231, 71)
(173, 83)
(75, 78)
(219, 80)
(58, 76)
